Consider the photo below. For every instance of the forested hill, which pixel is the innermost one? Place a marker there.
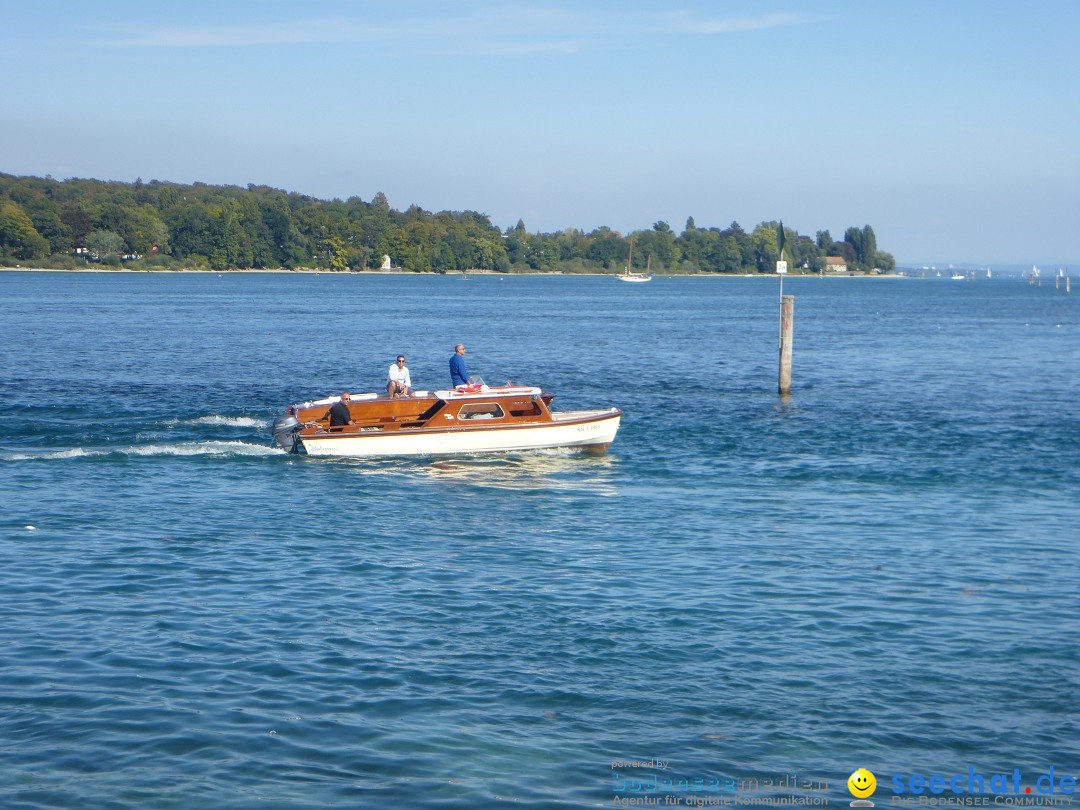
(76, 223)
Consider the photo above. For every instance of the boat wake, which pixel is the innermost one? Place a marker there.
(206, 448)
(223, 421)
(75, 452)
(201, 448)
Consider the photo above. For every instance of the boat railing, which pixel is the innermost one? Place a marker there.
(488, 392)
(314, 403)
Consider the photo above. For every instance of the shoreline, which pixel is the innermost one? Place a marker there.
(311, 271)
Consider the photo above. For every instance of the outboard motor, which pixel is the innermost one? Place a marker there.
(287, 432)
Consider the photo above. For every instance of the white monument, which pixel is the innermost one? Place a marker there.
(386, 266)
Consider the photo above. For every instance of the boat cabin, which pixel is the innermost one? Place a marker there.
(439, 409)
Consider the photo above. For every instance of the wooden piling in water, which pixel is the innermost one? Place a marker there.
(787, 320)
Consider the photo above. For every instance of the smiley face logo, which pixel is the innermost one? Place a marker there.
(862, 783)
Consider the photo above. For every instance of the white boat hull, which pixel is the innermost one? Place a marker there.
(572, 429)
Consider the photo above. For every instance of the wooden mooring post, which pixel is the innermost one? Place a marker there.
(787, 316)
(787, 321)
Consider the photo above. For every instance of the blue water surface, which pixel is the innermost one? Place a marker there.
(879, 571)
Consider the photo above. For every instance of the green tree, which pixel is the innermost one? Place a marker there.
(764, 246)
(657, 245)
(694, 245)
(18, 236)
(869, 247)
(606, 247)
(854, 237)
(726, 256)
(105, 244)
(802, 251)
(190, 228)
(334, 246)
(45, 214)
(77, 220)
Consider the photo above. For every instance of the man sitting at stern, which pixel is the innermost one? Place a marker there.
(339, 412)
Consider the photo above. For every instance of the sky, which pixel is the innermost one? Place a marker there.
(949, 127)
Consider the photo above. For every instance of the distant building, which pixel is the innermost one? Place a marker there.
(836, 264)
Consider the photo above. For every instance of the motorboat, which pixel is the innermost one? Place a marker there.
(475, 418)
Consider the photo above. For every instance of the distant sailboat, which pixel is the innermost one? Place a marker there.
(639, 277)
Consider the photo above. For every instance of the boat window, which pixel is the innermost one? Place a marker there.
(481, 410)
(525, 408)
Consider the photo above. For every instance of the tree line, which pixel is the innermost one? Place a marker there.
(80, 222)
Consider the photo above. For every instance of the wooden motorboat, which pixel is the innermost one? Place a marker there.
(471, 419)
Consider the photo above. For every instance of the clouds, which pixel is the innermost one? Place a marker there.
(469, 27)
(681, 22)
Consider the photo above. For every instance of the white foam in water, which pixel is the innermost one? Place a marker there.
(203, 449)
(219, 420)
(179, 449)
(75, 452)
(231, 421)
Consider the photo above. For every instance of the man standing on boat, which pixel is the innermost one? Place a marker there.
(458, 375)
(398, 381)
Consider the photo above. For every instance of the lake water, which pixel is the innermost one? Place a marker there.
(878, 572)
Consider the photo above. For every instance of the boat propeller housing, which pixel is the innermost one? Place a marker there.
(287, 433)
